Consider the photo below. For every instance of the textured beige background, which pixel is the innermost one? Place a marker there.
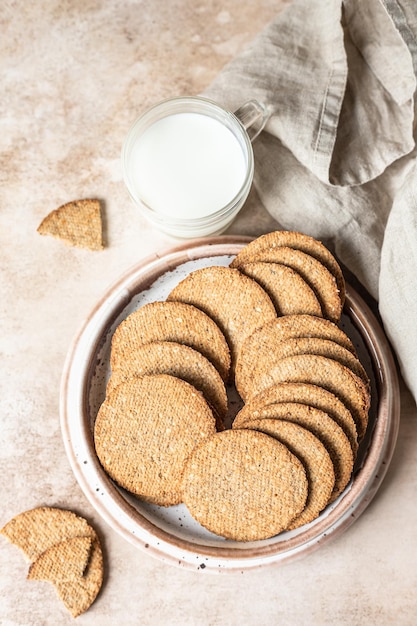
(74, 75)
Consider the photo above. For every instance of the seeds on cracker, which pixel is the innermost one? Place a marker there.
(234, 301)
(78, 595)
(171, 321)
(304, 388)
(313, 395)
(327, 373)
(145, 430)
(293, 326)
(248, 370)
(289, 292)
(77, 223)
(63, 562)
(322, 426)
(312, 271)
(175, 359)
(38, 529)
(64, 550)
(296, 241)
(244, 485)
(314, 457)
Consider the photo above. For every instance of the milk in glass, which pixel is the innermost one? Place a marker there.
(187, 165)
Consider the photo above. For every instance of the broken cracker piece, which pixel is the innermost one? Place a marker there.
(52, 540)
(77, 583)
(65, 561)
(77, 223)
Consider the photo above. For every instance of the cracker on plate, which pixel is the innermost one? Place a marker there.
(248, 369)
(234, 301)
(146, 429)
(297, 241)
(244, 485)
(292, 326)
(171, 321)
(326, 373)
(77, 223)
(175, 359)
(289, 292)
(314, 457)
(312, 271)
(322, 426)
(313, 395)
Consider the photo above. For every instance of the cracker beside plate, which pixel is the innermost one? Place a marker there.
(63, 549)
(77, 223)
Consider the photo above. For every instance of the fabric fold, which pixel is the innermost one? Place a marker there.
(338, 157)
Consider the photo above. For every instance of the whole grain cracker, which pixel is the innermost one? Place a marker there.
(171, 321)
(42, 533)
(289, 292)
(244, 485)
(78, 595)
(314, 457)
(305, 393)
(77, 223)
(327, 373)
(321, 425)
(144, 432)
(75, 568)
(297, 241)
(249, 370)
(63, 562)
(234, 301)
(175, 359)
(292, 326)
(315, 274)
(38, 529)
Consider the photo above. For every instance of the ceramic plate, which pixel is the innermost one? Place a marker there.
(170, 533)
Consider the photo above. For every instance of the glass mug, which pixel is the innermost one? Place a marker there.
(188, 164)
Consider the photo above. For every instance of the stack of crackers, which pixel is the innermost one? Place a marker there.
(63, 549)
(268, 324)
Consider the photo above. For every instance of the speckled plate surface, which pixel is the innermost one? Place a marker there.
(170, 533)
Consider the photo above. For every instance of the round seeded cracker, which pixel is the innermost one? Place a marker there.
(63, 549)
(288, 291)
(327, 373)
(312, 271)
(305, 393)
(74, 569)
(314, 457)
(170, 321)
(234, 301)
(290, 327)
(175, 359)
(36, 530)
(321, 425)
(249, 370)
(244, 485)
(144, 432)
(297, 241)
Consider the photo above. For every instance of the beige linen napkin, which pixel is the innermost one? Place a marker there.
(337, 159)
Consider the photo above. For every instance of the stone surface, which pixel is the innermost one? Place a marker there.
(74, 75)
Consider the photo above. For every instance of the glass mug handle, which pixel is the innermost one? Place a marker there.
(253, 116)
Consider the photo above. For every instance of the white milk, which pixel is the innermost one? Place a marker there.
(187, 165)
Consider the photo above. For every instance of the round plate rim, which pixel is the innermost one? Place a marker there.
(125, 519)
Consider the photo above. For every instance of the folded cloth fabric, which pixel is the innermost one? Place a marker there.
(337, 159)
